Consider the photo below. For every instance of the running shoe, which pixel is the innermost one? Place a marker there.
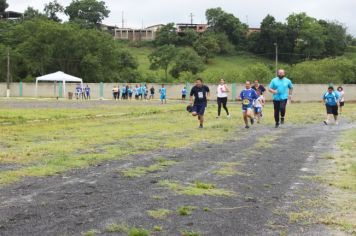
(247, 127)
(336, 122)
(200, 126)
(228, 116)
(277, 125)
(325, 123)
(252, 121)
(282, 121)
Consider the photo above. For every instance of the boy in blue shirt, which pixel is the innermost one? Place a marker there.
(184, 93)
(331, 99)
(248, 96)
(282, 89)
(163, 92)
(87, 92)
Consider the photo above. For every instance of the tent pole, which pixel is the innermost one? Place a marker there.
(64, 88)
(36, 92)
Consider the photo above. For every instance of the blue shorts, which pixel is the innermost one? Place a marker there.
(199, 108)
(163, 97)
(258, 109)
(246, 107)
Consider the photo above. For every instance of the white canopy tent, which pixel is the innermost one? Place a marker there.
(59, 77)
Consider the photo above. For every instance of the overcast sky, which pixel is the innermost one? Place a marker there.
(151, 12)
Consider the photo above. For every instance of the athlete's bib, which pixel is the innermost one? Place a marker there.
(200, 95)
(246, 102)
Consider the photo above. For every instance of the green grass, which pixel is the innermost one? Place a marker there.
(186, 210)
(64, 139)
(159, 213)
(341, 179)
(190, 233)
(138, 232)
(117, 228)
(142, 170)
(196, 189)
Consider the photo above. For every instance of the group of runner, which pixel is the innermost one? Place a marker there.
(82, 93)
(139, 92)
(253, 101)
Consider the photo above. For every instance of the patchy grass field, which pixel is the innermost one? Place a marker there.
(47, 141)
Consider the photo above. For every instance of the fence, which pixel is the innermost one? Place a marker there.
(302, 92)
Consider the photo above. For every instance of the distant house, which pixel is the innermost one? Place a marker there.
(253, 30)
(199, 28)
(146, 34)
(11, 15)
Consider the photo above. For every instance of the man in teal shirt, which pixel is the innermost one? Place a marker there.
(331, 99)
(282, 89)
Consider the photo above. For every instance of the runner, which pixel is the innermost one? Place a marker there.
(342, 98)
(115, 92)
(201, 94)
(163, 92)
(282, 89)
(87, 92)
(331, 99)
(123, 92)
(78, 91)
(129, 91)
(258, 87)
(152, 93)
(258, 106)
(140, 91)
(222, 91)
(184, 93)
(247, 97)
(137, 92)
(146, 92)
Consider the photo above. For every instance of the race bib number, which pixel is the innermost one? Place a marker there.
(200, 95)
(245, 102)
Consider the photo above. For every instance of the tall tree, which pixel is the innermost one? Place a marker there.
(166, 35)
(52, 8)
(187, 61)
(90, 12)
(162, 58)
(223, 22)
(3, 6)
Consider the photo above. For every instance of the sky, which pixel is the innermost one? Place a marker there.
(138, 13)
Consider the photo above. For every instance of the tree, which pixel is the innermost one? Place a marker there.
(166, 35)
(336, 38)
(91, 12)
(3, 6)
(221, 22)
(187, 61)
(188, 37)
(207, 47)
(31, 13)
(52, 8)
(162, 58)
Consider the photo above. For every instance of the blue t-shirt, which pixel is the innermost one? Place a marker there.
(282, 86)
(163, 91)
(331, 99)
(184, 92)
(248, 96)
(87, 89)
(123, 89)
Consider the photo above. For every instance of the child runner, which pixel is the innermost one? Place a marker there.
(184, 93)
(78, 91)
(331, 99)
(129, 91)
(258, 105)
(152, 92)
(115, 92)
(201, 94)
(342, 98)
(222, 91)
(145, 92)
(248, 96)
(137, 92)
(163, 92)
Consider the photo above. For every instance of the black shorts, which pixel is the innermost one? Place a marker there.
(184, 96)
(334, 110)
(342, 104)
(199, 108)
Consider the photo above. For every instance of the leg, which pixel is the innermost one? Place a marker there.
(283, 105)
(244, 114)
(219, 106)
(225, 107)
(276, 106)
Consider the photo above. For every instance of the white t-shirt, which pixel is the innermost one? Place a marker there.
(259, 101)
(222, 91)
(342, 96)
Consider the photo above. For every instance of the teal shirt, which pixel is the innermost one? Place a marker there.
(331, 99)
(282, 86)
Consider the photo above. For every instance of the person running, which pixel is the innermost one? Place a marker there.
(163, 92)
(222, 91)
(342, 98)
(152, 93)
(281, 88)
(145, 92)
(258, 106)
(184, 93)
(123, 92)
(201, 93)
(258, 87)
(247, 96)
(87, 92)
(331, 99)
(140, 93)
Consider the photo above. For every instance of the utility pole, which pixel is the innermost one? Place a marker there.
(122, 21)
(8, 74)
(191, 18)
(276, 45)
